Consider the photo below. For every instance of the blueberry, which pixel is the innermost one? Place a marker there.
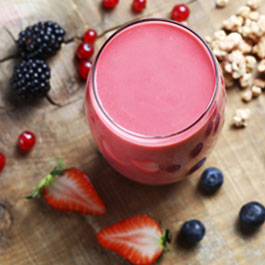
(192, 231)
(252, 214)
(211, 179)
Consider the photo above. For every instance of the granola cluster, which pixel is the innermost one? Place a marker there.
(240, 48)
(241, 117)
(221, 3)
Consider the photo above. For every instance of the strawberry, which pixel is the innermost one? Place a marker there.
(108, 151)
(139, 239)
(69, 189)
(147, 167)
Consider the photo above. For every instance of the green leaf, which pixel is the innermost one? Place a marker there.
(165, 238)
(57, 171)
(60, 164)
(43, 183)
(168, 236)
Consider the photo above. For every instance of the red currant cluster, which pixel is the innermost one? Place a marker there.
(84, 52)
(179, 13)
(26, 141)
(137, 5)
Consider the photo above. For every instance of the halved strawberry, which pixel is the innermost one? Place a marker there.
(147, 167)
(139, 239)
(70, 190)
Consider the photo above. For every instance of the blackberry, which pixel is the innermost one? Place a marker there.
(31, 79)
(40, 40)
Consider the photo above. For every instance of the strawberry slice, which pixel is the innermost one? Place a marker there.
(69, 190)
(147, 167)
(139, 239)
(108, 151)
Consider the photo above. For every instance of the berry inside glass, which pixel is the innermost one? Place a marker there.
(155, 101)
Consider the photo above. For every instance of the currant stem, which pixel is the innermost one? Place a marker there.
(51, 101)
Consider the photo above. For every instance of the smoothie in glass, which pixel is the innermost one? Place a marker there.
(155, 101)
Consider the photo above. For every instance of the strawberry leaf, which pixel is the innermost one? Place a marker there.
(57, 171)
(165, 238)
(60, 164)
(44, 182)
(168, 236)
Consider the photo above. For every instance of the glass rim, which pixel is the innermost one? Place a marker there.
(138, 135)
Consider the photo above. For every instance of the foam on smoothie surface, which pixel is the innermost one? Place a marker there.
(155, 78)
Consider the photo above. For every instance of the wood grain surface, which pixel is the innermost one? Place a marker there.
(32, 233)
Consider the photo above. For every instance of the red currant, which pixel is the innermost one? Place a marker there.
(90, 36)
(110, 3)
(138, 5)
(84, 51)
(26, 140)
(2, 161)
(84, 68)
(180, 13)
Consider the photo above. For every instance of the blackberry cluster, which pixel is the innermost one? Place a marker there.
(40, 40)
(31, 79)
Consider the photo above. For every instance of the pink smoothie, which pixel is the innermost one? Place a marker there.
(155, 101)
(155, 79)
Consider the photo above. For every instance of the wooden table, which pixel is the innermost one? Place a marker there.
(33, 233)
